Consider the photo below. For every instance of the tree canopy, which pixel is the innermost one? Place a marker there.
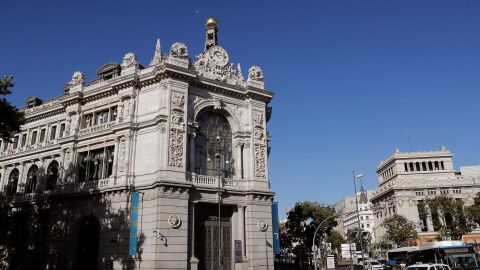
(449, 217)
(399, 230)
(302, 222)
(11, 119)
(473, 211)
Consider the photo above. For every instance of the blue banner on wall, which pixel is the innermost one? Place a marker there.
(275, 229)
(132, 251)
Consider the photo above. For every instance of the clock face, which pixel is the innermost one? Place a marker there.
(218, 55)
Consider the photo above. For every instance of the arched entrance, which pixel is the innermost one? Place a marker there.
(88, 237)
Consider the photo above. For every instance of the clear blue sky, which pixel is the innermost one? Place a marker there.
(352, 78)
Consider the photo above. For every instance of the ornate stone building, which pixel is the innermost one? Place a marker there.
(188, 134)
(407, 180)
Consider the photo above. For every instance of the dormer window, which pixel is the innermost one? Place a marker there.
(108, 71)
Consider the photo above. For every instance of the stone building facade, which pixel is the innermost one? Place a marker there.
(349, 221)
(406, 180)
(188, 134)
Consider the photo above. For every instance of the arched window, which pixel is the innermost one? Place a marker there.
(406, 167)
(411, 166)
(442, 165)
(13, 182)
(417, 166)
(52, 175)
(424, 166)
(436, 166)
(31, 184)
(213, 145)
(430, 166)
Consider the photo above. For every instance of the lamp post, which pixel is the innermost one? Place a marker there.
(220, 147)
(358, 214)
(316, 230)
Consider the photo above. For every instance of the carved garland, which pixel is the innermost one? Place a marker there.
(260, 156)
(176, 130)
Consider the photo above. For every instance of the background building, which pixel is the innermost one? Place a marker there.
(176, 149)
(349, 222)
(407, 179)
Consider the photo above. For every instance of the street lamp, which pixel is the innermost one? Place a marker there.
(358, 214)
(219, 150)
(318, 227)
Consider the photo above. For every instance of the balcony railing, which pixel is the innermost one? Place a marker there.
(96, 128)
(206, 180)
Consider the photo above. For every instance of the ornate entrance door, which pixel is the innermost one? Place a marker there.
(208, 241)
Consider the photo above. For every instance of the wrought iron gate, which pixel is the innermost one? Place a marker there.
(207, 240)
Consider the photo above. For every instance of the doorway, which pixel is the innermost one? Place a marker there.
(88, 238)
(210, 241)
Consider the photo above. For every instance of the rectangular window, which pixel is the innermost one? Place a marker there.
(101, 117)
(15, 142)
(34, 138)
(24, 139)
(53, 133)
(113, 113)
(87, 120)
(62, 130)
(96, 164)
(42, 135)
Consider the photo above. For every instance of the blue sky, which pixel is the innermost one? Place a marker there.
(353, 79)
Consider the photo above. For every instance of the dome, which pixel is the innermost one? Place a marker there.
(211, 23)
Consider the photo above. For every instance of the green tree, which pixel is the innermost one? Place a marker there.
(450, 217)
(303, 220)
(473, 211)
(285, 238)
(399, 230)
(11, 119)
(336, 239)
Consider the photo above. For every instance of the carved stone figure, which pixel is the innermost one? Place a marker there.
(214, 64)
(178, 101)
(179, 50)
(262, 225)
(255, 73)
(77, 79)
(217, 104)
(258, 118)
(174, 221)
(129, 60)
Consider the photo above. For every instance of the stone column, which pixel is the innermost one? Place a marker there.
(120, 112)
(67, 126)
(429, 219)
(238, 162)
(115, 160)
(57, 135)
(20, 177)
(192, 152)
(193, 259)
(241, 228)
(42, 171)
(2, 178)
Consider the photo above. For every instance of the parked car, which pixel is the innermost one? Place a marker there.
(376, 265)
(428, 266)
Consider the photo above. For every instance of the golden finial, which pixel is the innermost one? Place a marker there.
(211, 23)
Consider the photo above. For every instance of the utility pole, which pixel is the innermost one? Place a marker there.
(358, 215)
